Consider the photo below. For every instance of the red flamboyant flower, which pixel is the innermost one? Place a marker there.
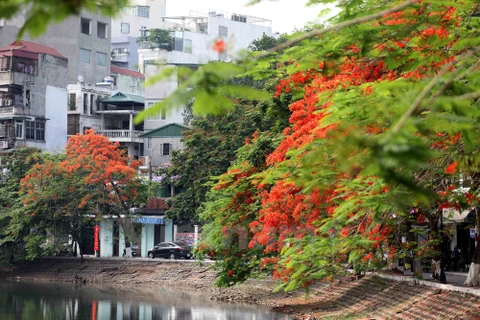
(452, 168)
(219, 46)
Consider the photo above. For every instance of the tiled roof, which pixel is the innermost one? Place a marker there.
(131, 73)
(33, 47)
(168, 130)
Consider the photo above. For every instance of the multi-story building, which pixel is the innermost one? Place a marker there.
(192, 47)
(133, 23)
(109, 108)
(83, 39)
(33, 97)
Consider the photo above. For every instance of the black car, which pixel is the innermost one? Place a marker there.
(171, 250)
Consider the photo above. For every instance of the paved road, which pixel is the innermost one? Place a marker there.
(92, 257)
(453, 278)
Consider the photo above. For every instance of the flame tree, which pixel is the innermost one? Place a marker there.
(93, 179)
(383, 127)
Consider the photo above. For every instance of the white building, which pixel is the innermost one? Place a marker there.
(109, 107)
(132, 23)
(193, 39)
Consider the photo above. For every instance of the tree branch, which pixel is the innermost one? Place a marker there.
(339, 26)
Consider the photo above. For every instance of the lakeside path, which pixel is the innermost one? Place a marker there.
(371, 297)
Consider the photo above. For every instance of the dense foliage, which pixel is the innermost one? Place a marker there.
(383, 126)
(64, 193)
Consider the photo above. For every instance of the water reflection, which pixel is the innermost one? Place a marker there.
(43, 301)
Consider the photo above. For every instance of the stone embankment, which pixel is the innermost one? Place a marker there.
(370, 297)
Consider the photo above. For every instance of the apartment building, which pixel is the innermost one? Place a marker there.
(192, 47)
(83, 39)
(33, 97)
(109, 108)
(132, 24)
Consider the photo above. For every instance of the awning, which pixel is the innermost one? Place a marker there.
(452, 215)
(149, 220)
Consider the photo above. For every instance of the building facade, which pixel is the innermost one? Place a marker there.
(84, 40)
(33, 97)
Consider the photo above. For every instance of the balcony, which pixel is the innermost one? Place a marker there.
(120, 57)
(122, 135)
(4, 143)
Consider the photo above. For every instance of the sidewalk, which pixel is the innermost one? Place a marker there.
(455, 281)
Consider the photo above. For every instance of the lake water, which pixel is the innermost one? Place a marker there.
(45, 301)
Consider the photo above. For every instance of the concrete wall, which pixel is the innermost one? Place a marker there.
(168, 229)
(87, 119)
(130, 84)
(56, 113)
(131, 60)
(106, 238)
(148, 237)
(67, 39)
(156, 151)
(157, 10)
(157, 92)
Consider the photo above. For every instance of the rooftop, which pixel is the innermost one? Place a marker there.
(126, 72)
(31, 47)
(202, 17)
(125, 98)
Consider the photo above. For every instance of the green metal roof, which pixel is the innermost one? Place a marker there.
(169, 130)
(125, 98)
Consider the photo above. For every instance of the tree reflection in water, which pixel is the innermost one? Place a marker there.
(42, 301)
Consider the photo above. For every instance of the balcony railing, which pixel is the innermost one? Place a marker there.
(3, 143)
(116, 134)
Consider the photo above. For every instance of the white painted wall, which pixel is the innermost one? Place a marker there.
(158, 92)
(106, 238)
(148, 237)
(156, 151)
(56, 113)
(157, 10)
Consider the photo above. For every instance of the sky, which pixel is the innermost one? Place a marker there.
(285, 14)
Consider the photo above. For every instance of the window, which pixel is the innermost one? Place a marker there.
(35, 130)
(149, 144)
(102, 30)
(143, 31)
(101, 59)
(73, 126)
(166, 148)
(143, 11)
(27, 98)
(188, 46)
(19, 129)
(125, 28)
(85, 103)
(39, 130)
(159, 116)
(84, 56)
(30, 130)
(72, 102)
(5, 64)
(24, 65)
(223, 31)
(85, 26)
(129, 11)
(92, 98)
(118, 51)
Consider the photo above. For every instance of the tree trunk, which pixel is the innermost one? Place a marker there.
(473, 279)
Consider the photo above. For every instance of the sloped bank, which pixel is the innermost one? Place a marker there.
(371, 297)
